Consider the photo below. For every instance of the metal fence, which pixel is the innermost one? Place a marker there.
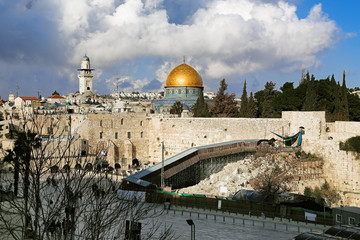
(238, 207)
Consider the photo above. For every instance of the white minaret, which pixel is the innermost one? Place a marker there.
(85, 76)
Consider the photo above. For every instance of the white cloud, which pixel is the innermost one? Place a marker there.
(164, 70)
(126, 84)
(225, 37)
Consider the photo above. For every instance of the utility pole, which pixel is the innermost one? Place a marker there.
(17, 90)
(162, 165)
(117, 82)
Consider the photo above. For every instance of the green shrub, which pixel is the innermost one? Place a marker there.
(307, 191)
(352, 144)
(325, 191)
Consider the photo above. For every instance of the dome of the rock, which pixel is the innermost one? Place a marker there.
(184, 76)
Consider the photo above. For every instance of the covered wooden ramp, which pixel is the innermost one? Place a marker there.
(191, 166)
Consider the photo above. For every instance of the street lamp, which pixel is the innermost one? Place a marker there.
(191, 223)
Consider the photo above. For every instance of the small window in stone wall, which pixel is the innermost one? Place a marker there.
(100, 123)
(141, 123)
(116, 135)
(122, 121)
(351, 221)
(338, 218)
(141, 134)
(129, 134)
(101, 135)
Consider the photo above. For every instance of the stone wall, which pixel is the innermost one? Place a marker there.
(121, 136)
(343, 130)
(179, 134)
(313, 122)
(146, 131)
(341, 169)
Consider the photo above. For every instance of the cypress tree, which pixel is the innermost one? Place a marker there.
(244, 103)
(344, 99)
(201, 109)
(308, 77)
(251, 107)
(336, 110)
(268, 110)
(311, 96)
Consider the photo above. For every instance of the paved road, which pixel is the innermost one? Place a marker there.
(231, 227)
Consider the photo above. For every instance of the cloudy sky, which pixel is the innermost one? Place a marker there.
(133, 44)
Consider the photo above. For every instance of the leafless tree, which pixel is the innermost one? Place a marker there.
(64, 195)
(274, 174)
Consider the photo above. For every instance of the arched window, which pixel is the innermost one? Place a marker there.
(141, 123)
(122, 121)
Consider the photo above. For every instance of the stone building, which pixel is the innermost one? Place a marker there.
(21, 102)
(56, 99)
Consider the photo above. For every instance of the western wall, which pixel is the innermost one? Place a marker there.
(126, 136)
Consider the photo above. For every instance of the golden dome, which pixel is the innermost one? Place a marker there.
(184, 76)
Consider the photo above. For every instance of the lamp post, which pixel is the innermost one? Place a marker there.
(192, 224)
(162, 166)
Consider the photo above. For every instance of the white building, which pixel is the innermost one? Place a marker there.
(85, 76)
(21, 102)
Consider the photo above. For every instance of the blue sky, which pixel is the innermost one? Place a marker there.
(42, 42)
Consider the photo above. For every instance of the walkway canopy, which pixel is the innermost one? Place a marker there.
(348, 232)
